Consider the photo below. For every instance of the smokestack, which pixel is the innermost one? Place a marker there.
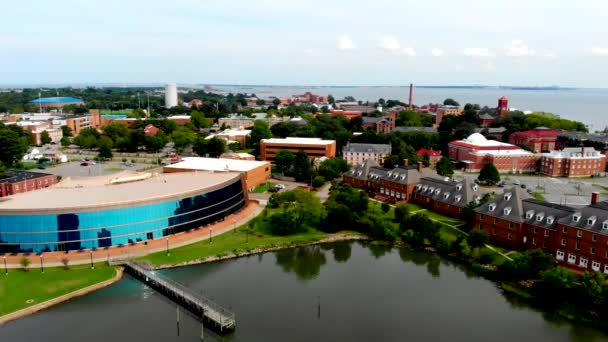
(595, 197)
(419, 166)
(411, 94)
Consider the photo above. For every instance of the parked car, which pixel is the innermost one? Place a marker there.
(523, 186)
(84, 164)
(274, 189)
(516, 182)
(280, 186)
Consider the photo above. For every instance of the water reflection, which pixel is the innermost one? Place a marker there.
(305, 262)
(342, 252)
(379, 250)
(432, 261)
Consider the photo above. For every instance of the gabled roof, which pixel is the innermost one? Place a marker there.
(370, 170)
(592, 217)
(368, 148)
(404, 129)
(450, 191)
(544, 214)
(430, 152)
(507, 205)
(486, 116)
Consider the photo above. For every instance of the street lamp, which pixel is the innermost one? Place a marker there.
(41, 263)
(5, 268)
(168, 247)
(91, 254)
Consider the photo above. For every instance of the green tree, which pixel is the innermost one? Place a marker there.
(182, 137)
(303, 206)
(402, 213)
(477, 238)
(283, 223)
(444, 167)
(302, 170)
(284, 160)
(332, 168)
(45, 138)
(67, 131)
(105, 148)
(116, 131)
(215, 147)
(283, 129)
(450, 102)
(318, 181)
(408, 118)
(259, 131)
(65, 141)
(276, 102)
(555, 285)
(385, 207)
(593, 285)
(346, 207)
(489, 174)
(527, 265)
(12, 147)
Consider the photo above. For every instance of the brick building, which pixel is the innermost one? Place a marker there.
(349, 114)
(486, 120)
(24, 181)
(476, 151)
(391, 185)
(446, 196)
(357, 153)
(385, 124)
(433, 156)
(150, 130)
(503, 106)
(536, 140)
(573, 162)
(444, 111)
(314, 147)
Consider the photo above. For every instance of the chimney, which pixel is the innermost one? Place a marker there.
(411, 94)
(405, 162)
(595, 197)
(419, 166)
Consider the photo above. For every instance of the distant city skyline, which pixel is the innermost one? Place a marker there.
(272, 42)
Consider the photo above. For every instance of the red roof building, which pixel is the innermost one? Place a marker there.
(195, 103)
(150, 130)
(536, 140)
(434, 156)
(503, 106)
(349, 114)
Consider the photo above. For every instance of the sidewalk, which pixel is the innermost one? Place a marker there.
(53, 259)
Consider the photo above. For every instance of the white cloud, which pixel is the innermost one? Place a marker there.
(478, 53)
(549, 54)
(437, 52)
(408, 51)
(599, 51)
(519, 49)
(345, 43)
(389, 43)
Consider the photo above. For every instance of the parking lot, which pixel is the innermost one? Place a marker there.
(74, 169)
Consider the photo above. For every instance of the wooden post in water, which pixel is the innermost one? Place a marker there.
(178, 320)
(203, 326)
(319, 307)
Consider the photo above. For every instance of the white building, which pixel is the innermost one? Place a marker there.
(355, 154)
(171, 95)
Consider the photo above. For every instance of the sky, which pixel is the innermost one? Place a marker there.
(314, 42)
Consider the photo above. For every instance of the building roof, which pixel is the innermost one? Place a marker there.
(538, 132)
(507, 205)
(56, 100)
(371, 119)
(544, 214)
(370, 170)
(216, 164)
(592, 217)
(486, 116)
(430, 152)
(368, 148)
(454, 192)
(14, 176)
(403, 129)
(575, 153)
(80, 194)
(299, 141)
(484, 146)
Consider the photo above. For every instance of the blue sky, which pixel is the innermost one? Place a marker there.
(330, 42)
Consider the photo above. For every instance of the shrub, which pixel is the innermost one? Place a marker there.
(385, 207)
(25, 263)
(318, 181)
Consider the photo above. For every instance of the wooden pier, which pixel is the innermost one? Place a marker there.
(214, 316)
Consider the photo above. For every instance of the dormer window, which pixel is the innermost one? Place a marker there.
(431, 189)
(446, 195)
(458, 187)
(424, 188)
(457, 198)
(437, 192)
(576, 217)
(418, 187)
(506, 210)
(591, 220)
(389, 174)
(492, 206)
(507, 196)
(529, 214)
(540, 216)
(475, 187)
(550, 219)
(402, 177)
(605, 225)
(359, 173)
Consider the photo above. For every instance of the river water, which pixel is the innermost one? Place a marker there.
(585, 105)
(339, 292)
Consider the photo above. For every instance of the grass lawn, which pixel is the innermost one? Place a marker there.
(235, 241)
(113, 169)
(539, 196)
(19, 287)
(263, 187)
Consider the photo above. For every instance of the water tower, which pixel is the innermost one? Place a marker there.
(171, 95)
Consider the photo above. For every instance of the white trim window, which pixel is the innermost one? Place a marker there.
(605, 268)
(595, 265)
(560, 255)
(583, 262)
(571, 258)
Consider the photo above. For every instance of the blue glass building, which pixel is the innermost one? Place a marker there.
(113, 225)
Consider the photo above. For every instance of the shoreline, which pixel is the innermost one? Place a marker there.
(12, 316)
(261, 250)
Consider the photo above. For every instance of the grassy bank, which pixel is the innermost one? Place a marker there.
(240, 240)
(19, 289)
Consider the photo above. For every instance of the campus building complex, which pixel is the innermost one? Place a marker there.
(446, 196)
(536, 140)
(314, 147)
(573, 162)
(101, 212)
(357, 153)
(476, 151)
(17, 182)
